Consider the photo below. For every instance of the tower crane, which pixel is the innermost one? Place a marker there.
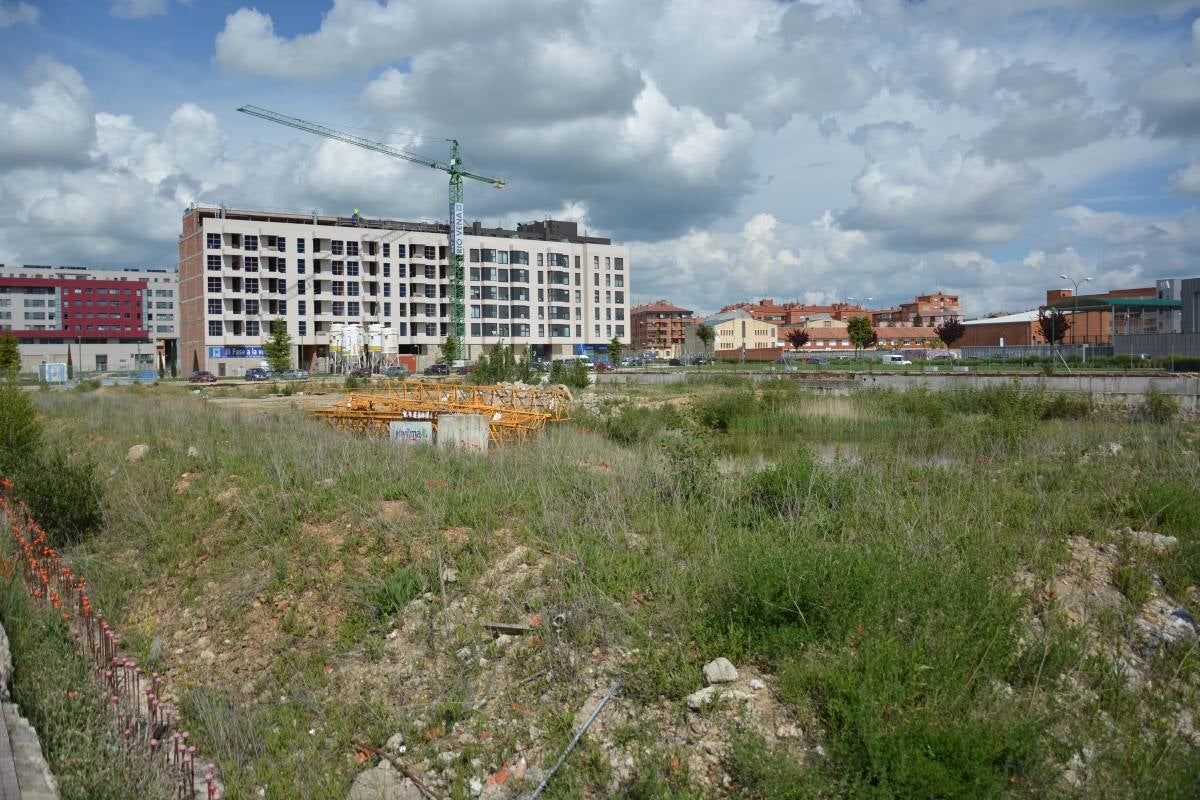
(454, 168)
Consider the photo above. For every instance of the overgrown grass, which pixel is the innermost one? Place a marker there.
(878, 592)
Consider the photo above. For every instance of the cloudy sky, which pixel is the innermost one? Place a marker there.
(743, 148)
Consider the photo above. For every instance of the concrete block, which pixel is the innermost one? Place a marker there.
(463, 432)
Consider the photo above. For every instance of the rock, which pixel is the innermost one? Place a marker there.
(383, 782)
(208, 657)
(1180, 626)
(1151, 540)
(1114, 448)
(193, 452)
(395, 744)
(709, 694)
(464, 654)
(476, 786)
(326, 483)
(788, 732)
(449, 575)
(719, 670)
(518, 770)
(756, 684)
(137, 452)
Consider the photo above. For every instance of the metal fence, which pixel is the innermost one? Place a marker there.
(1158, 344)
(1038, 351)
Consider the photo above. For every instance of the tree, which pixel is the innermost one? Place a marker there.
(70, 366)
(174, 368)
(10, 354)
(195, 362)
(950, 330)
(278, 348)
(860, 333)
(614, 351)
(706, 335)
(1053, 326)
(451, 350)
(797, 338)
(918, 321)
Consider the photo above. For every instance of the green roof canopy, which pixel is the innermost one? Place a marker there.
(1086, 303)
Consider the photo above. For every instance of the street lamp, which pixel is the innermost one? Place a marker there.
(1075, 312)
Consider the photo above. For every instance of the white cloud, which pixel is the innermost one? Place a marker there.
(56, 126)
(136, 9)
(1186, 180)
(919, 199)
(16, 13)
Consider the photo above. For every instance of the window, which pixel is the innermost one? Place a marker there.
(339, 288)
(249, 242)
(387, 309)
(540, 259)
(282, 307)
(281, 243)
(338, 308)
(251, 285)
(301, 307)
(387, 250)
(214, 285)
(619, 297)
(214, 241)
(597, 328)
(352, 309)
(301, 287)
(387, 290)
(352, 288)
(252, 327)
(519, 257)
(251, 264)
(281, 287)
(607, 262)
(595, 279)
(431, 329)
(300, 246)
(501, 256)
(596, 297)
(302, 328)
(167, 304)
(300, 266)
(430, 253)
(338, 268)
(335, 248)
(399, 251)
(620, 263)
(387, 269)
(430, 272)
(351, 248)
(620, 330)
(352, 268)
(487, 256)
(214, 327)
(214, 305)
(620, 281)
(251, 308)
(214, 263)
(431, 309)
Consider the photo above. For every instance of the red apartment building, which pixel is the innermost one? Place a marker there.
(659, 326)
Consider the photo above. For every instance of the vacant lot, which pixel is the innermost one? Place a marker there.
(924, 595)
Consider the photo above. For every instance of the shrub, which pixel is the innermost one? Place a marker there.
(689, 466)
(352, 382)
(63, 496)
(1157, 407)
(637, 424)
(718, 411)
(792, 486)
(20, 433)
(87, 385)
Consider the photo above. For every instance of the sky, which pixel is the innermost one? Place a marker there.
(813, 151)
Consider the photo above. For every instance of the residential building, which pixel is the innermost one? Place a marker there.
(658, 327)
(542, 285)
(112, 319)
(737, 331)
(933, 309)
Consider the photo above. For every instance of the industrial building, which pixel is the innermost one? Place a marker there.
(118, 320)
(543, 285)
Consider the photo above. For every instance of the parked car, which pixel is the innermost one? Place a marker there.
(202, 376)
(464, 369)
(397, 371)
(817, 361)
(437, 369)
(361, 372)
(257, 374)
(675, 362)
(294, 374)
(898, 360)
(604, 367)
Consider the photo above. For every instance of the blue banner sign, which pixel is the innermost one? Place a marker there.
(248, 351)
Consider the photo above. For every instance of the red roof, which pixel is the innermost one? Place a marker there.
(660, 306)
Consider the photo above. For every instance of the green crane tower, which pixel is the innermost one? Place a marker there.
(454, 168)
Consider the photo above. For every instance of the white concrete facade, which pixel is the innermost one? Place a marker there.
(241, 270)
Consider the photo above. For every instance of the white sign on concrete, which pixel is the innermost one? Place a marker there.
(463, 432)
(410, 432)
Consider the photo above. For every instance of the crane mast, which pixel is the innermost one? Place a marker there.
(457, 328)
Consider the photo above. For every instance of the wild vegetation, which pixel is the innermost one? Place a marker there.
(893, 565)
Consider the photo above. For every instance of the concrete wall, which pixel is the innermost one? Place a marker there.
(463, 432)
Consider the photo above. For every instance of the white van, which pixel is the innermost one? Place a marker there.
(894, 358)
(569, 360)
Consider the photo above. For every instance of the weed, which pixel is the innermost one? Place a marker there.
(394, 591)
(1157, 407)
(63, 494)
